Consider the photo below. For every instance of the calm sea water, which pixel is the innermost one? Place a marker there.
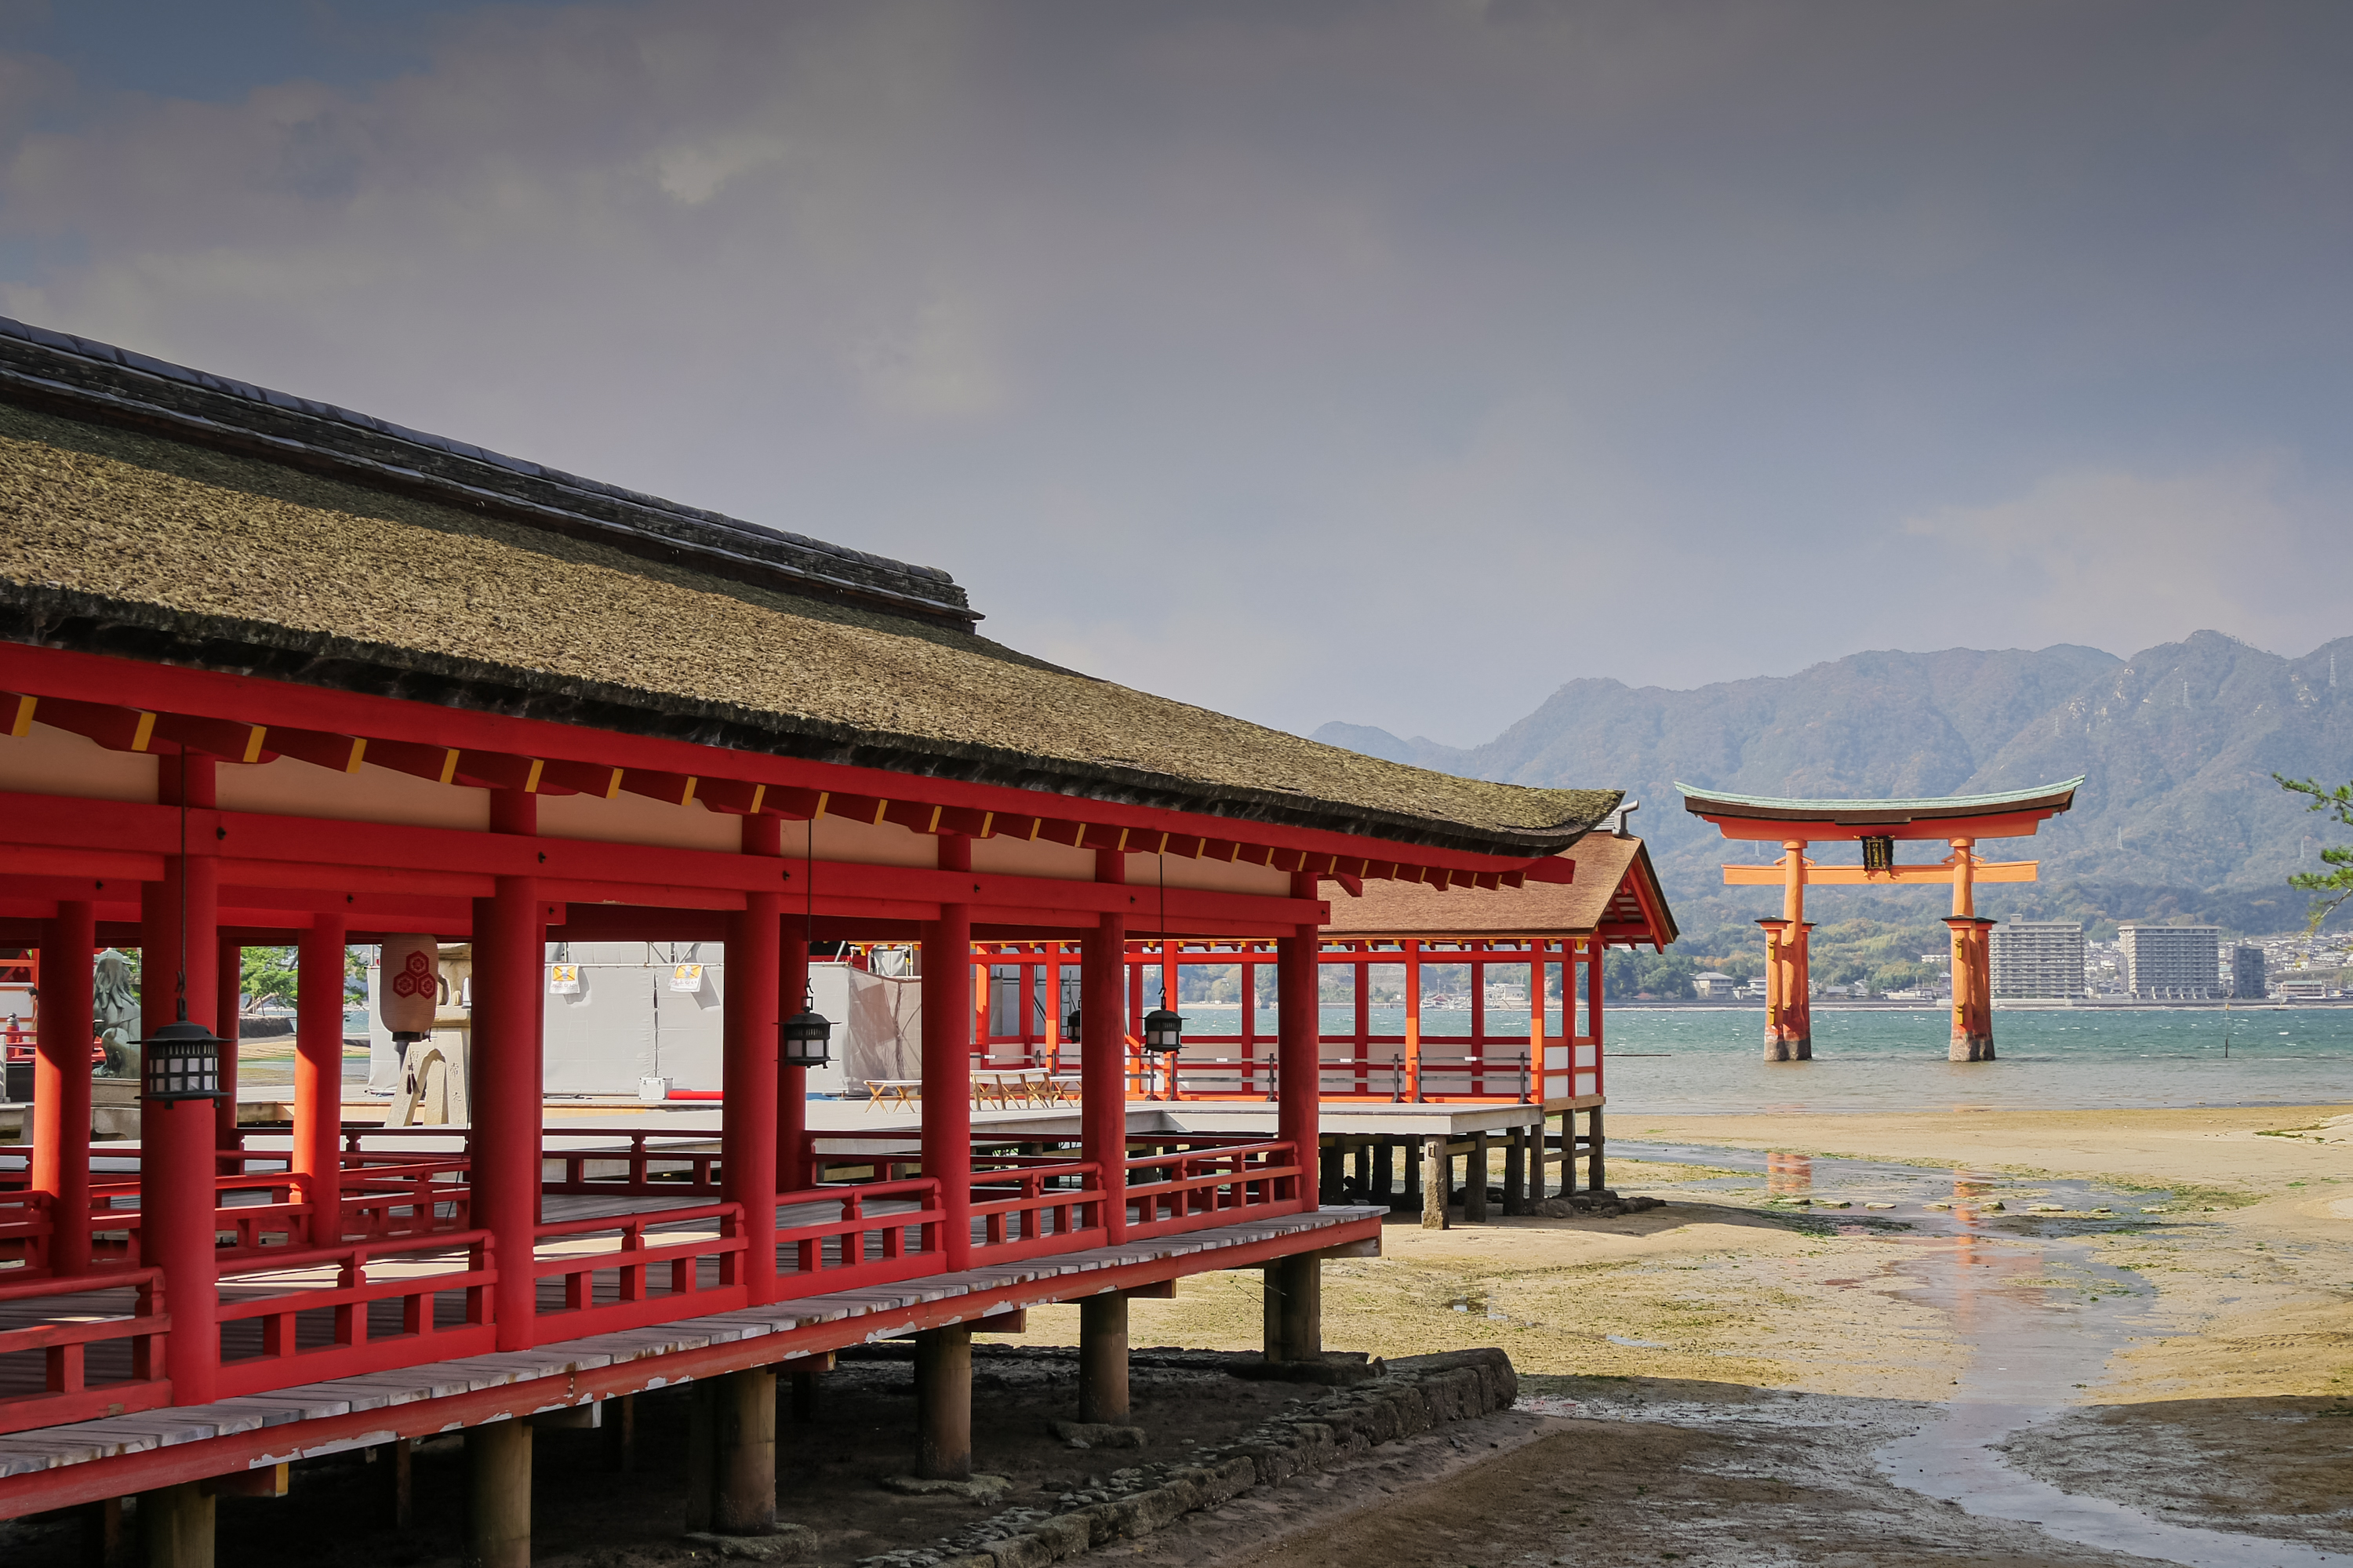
(1705, 1060)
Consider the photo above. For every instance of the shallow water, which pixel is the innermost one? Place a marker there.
(2038, 1310)
(1709, 1060)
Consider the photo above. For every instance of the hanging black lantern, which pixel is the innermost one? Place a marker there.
(1070, 1027)
(179, 1062)
(803, 1039)
(1164, 1031)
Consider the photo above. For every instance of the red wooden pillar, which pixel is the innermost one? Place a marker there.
(748, 1116)
(227, 1023)
(505, 1143)
(792, 1083)
(1593, 1016)
(1299, 1067)
(176, 1191)
(947, 1061)
(318, 1074)
(1103, 1052)
(61, 1084)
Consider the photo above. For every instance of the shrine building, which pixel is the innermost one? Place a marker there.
(277, 674)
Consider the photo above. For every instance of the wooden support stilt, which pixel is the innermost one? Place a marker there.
(498, 1495)
(943, 1404)
(400, 1481)
(1596, 1176)
(1293, 1316)
(744, 1469)
(804, 1380)
(1332, 1175)
(1382, 1186)
(1102, 1358)
(1433, 1184)
(621, 1433)
(102, 1536)
(175, 1523)
(1474, 1181)
(1515, 1172)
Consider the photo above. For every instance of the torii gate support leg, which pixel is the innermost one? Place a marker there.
(1972, 964)
(1788, 1014)
(1972, 991)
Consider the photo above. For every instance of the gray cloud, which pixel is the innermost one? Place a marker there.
(1392, 362)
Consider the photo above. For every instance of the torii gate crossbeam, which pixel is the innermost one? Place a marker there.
(1960, 822)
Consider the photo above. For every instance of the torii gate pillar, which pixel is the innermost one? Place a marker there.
(1788, 986)
(1972, 965)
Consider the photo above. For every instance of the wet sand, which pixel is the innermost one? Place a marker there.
(2172, 1332)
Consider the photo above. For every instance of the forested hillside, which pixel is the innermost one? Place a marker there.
(2178, 818)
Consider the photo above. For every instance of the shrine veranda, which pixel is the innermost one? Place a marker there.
(272, 672)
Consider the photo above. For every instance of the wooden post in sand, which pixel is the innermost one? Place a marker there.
(1433, 1183)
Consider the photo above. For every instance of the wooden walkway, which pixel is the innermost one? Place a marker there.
(85, 1442)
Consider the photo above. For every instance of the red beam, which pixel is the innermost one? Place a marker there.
(400, 731)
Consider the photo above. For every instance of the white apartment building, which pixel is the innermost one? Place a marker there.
(2172, 963)
(2037, 960)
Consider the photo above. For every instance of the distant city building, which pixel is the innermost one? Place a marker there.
(2248, 979)
(2038, 959)
(2172, 963)
(1711, 986)
(2303, 991)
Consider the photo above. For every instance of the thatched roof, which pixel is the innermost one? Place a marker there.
(138, 517)
(1616, 895)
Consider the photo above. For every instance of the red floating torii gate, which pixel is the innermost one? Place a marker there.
(1960, 820)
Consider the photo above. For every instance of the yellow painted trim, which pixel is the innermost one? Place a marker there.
(686, 799)
(146, 732)
(759, 792)
(448, 764)
(530, 779)
(822, 797)
(23, 721)
(881, 806)
(359, 754)
(253, 738)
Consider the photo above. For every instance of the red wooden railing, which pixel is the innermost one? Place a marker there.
(65, 1392)
(400, 1196)
(694, 1170)
(340, 1338)
(1027, 1205)
(1206, 1182)
(652, 1280)
(860, 1248)
(25, 1229)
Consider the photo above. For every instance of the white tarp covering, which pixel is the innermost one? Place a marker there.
(627, 1019)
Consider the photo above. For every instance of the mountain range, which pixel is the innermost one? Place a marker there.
(2178, 817)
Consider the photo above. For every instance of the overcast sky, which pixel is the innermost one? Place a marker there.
(1384, 362)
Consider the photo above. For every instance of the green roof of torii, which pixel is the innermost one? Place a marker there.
(1720, 803)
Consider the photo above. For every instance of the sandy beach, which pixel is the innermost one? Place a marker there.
(2155, 1307)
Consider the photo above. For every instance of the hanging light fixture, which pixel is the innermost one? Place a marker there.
(1164, 1031)
(803, 1039)
(181, 1060)
(1070, 1026)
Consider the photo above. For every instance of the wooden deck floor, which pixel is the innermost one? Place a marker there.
(89, 1441)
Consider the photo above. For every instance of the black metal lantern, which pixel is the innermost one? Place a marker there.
(803, 1039)
(181, 1060)
(1164, 1031)
(1070, 1026)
